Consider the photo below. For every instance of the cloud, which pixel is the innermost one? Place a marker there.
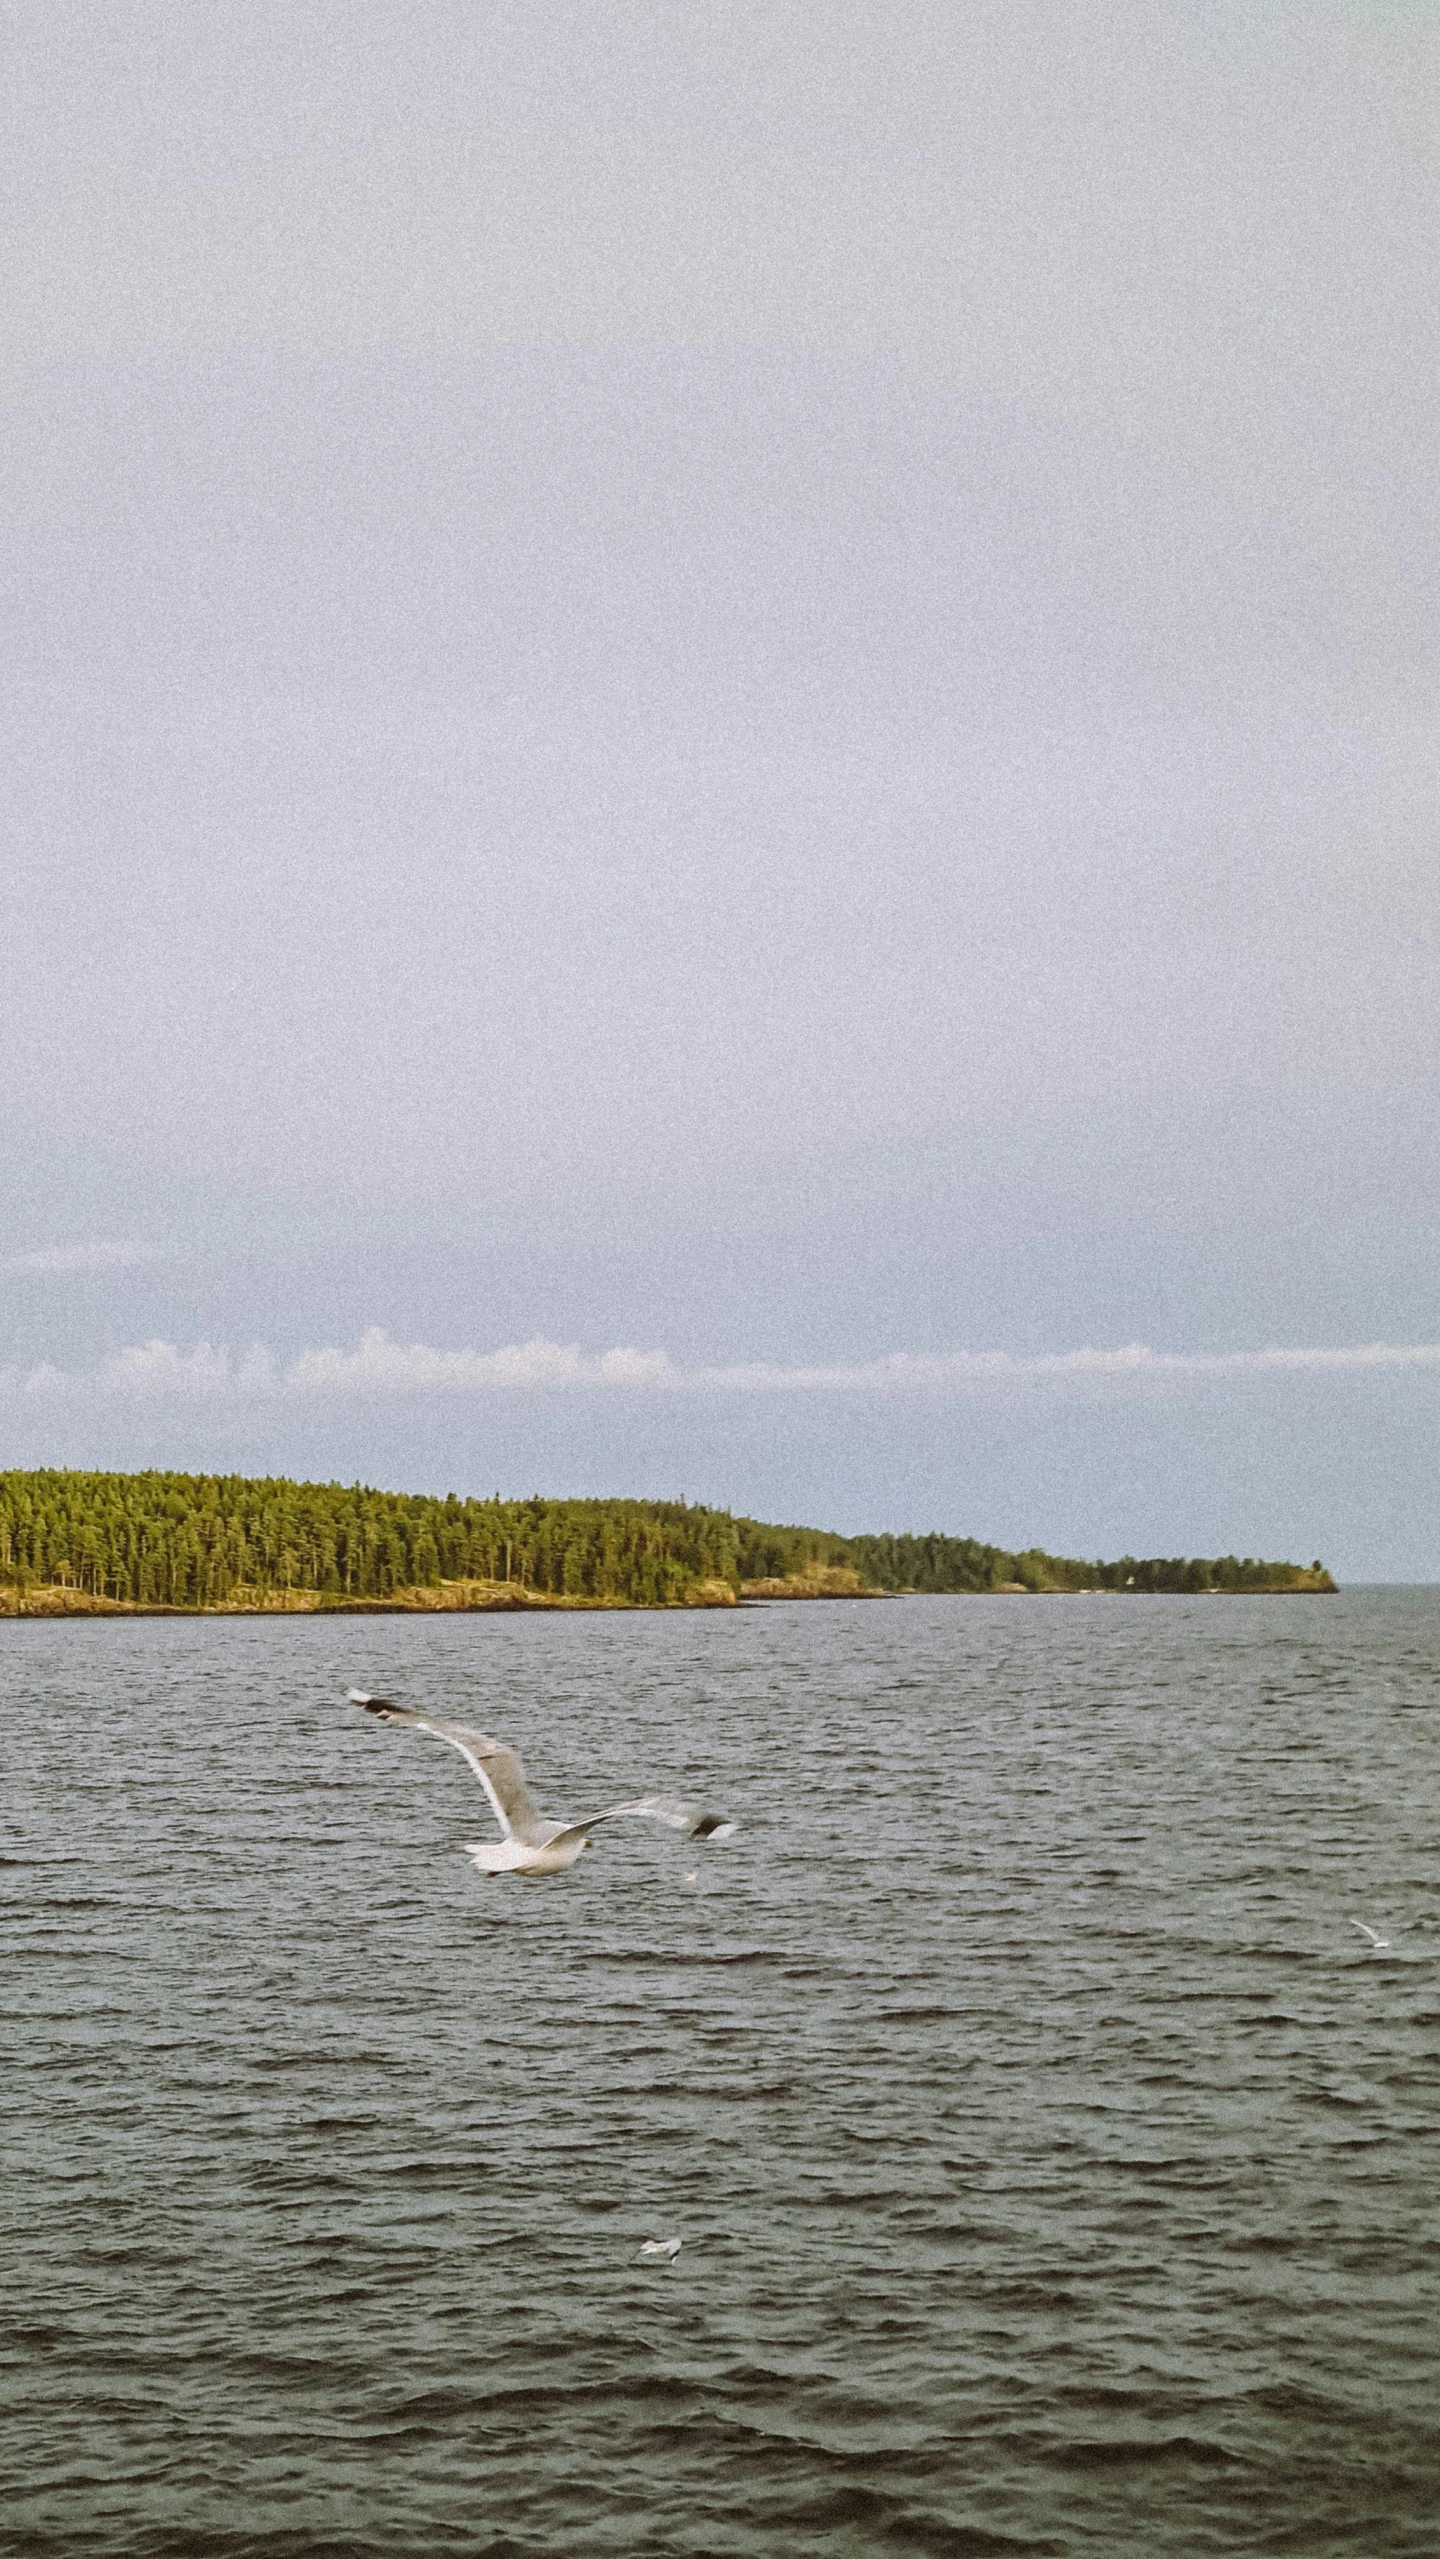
(380, 1367)
(158, 1368)
(910, 1372)
(383, 1367)
(84, 1257)
(150, 1370)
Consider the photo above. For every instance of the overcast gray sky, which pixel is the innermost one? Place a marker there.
(750, 684)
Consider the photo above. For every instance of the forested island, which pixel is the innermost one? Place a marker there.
(73, 1543)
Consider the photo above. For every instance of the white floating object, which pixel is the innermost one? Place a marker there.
(662, 2248)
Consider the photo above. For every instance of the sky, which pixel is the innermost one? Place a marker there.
(722, 772)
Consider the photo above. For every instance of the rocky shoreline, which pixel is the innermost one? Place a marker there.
(443, 1598)
(52, 1600)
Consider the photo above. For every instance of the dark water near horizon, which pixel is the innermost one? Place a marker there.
(1056, 2167)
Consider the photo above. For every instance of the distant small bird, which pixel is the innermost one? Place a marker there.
(1380, 1944)
(662, 2248)
(534, 1843)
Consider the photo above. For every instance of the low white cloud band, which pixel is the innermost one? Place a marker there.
(382, 1367)
(63, 1258)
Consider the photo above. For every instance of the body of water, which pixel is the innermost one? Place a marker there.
(1055, 2163)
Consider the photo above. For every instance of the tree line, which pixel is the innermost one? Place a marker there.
(961, 1564)
(197, 1541)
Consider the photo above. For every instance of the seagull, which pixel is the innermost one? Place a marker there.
(534, 1843)
(662, 2248)
(1381, 1945)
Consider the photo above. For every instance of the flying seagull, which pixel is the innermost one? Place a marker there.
(1380, 1944)
(534, 1844)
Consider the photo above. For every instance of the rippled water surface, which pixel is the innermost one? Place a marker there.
(1056, 2166)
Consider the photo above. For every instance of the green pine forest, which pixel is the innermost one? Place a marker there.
(72, 1540)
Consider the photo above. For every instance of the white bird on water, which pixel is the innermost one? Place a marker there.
(535, 1843)
(661, 2248)
(1380, 1945)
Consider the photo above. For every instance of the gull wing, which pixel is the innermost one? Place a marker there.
(692, 1819)
(498, 1769)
